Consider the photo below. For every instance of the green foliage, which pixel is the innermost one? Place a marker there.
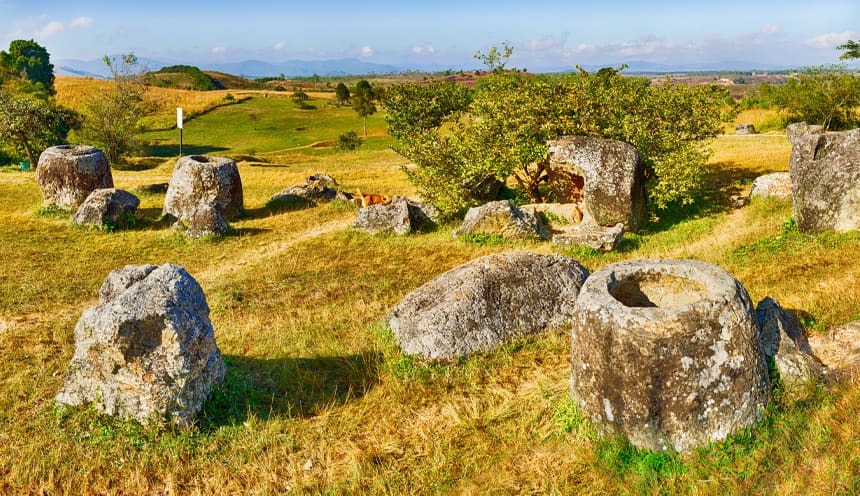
(113, 118)
(484, 239)
(31, 61)
(32, 123)
(825, 95)
(851, 48)
(199, 80)
(341, 94)
(348, 141)
(362, 101)
(52, 212)
(466, 145)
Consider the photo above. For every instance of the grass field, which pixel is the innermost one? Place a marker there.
(318, 399)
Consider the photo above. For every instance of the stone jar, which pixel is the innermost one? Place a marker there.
(67, 174)
(202, 180)
(666, 353)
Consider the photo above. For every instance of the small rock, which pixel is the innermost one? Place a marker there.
(309, 465)
(107, 207)
(502, 218)
(594, 237)
(839, 348)
(745, 129)
(152, 189)
(776, 185)
(784, 340)
(385, 219)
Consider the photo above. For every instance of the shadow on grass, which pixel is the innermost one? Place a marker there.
(172, 150)
(292, 387)
(722, 181)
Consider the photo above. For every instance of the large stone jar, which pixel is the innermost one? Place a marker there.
(204, 181)
(666, 353)
(67, 174)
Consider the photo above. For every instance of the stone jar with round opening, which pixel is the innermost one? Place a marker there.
(666, 353)
(67, 174)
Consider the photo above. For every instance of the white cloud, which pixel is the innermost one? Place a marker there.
(830, 40)
(770, 29)
(366, 51)
(643, 47)
(82, 22)
(50, 29)
(582, 48)
(421, 50)
(548, 43)
(219, 51)
(279, 45)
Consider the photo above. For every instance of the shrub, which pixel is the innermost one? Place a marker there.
(348, 141)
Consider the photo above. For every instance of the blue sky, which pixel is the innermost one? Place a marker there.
(443, 32)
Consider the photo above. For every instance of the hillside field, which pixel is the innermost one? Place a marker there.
(317, 397)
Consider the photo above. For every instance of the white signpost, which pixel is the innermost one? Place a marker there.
(179, 125)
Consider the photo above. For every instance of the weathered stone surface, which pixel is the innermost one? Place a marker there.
(825, 181)
(385, 219)
(609, 174)
(798, 129)
(839, 348)
(784, 340)
(565, 213)
(776, 185)
(207, 220)
(200, 180)
(147, 350)
(485, 302)
(745, 129)
(316, 190)
(108, 206)
(422, 216)
(67, 174)
(503, 218)
(666, 352)
(594, 237)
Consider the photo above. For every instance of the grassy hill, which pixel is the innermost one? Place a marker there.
(317, 397)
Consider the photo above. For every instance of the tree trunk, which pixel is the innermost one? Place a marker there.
(26, 144)
(365, 127)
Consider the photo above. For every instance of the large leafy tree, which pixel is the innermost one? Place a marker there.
(825, 95)
(341, 94)
(463, 150)
(31, 61)
(32, 123)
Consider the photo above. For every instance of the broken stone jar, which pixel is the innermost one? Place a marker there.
(666, 353)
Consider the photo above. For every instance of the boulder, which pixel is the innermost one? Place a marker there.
(316, 190)
(666, 353)
(560, 214)
(147, 350)
(839, 348)
(594, 237)
(825, 181)
(745, 129)
(502, 218)
(485, 302)
(385, 219)
(776, 185)
(207, 220)
(200, 180)
(798, 129)
(783, 340)
(607, 176)
(107, 207)
(67, 174)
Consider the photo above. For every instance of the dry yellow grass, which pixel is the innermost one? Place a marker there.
(318, 399)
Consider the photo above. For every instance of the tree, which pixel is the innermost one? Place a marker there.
(34, 123)
(341, 94)
(825, 95)
(113, 118)
(362, 101)
(30, 61)
(852, 50)
(464, 151)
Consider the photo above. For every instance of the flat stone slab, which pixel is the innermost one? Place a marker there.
(595, 237)
(776, 185)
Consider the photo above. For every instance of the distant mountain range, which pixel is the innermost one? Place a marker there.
(344, 67)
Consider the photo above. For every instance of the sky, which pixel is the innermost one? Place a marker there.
(545, 34)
